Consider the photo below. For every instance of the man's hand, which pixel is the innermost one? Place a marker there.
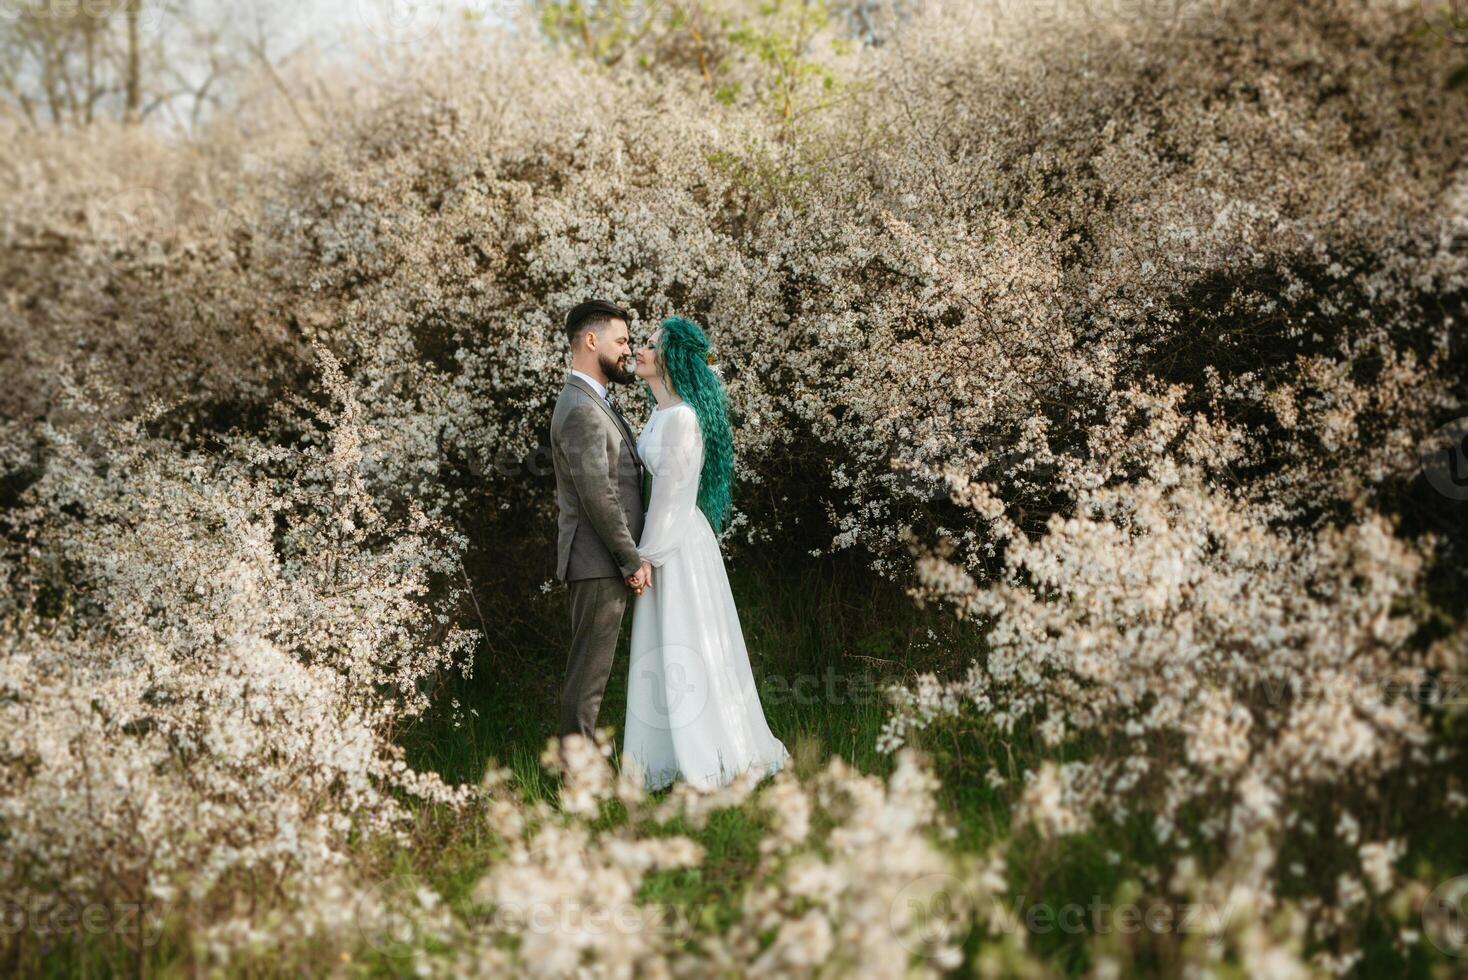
(640, 579)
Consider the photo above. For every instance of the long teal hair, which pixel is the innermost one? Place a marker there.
(684, 363)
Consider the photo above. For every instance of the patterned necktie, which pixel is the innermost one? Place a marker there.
(617, 411)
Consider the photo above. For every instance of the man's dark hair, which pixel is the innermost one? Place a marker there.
(593, 315)
(594, 323)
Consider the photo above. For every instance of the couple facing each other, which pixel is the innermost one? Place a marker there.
(639, 516)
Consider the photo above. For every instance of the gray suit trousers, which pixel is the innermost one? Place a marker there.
(597, 605)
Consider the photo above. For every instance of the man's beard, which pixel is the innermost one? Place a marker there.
(615, 372)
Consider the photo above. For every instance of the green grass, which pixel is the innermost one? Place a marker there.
(823, 640)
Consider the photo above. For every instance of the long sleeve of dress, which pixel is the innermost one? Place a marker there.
(673, 508)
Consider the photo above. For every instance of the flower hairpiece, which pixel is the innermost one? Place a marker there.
(709, 358)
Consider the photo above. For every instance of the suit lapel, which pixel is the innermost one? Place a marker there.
(607, 410)
(627, 434)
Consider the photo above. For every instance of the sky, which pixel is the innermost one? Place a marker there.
(193, 33)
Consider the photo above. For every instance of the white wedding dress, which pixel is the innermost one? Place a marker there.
(692, 708)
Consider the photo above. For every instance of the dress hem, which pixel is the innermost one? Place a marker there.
(665, 780)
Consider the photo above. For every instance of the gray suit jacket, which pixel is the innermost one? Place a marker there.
(598, 487)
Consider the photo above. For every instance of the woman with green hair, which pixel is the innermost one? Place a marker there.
(692, 708)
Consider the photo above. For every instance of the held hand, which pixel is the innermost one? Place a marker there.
(640, 579)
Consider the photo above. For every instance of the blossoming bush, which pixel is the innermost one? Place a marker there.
(851, 879)
(846, 879)
(206, 659)
(1254, 706)
(1222, 675)
(956, 262)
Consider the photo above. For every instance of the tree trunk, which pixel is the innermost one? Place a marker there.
(131, 110)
